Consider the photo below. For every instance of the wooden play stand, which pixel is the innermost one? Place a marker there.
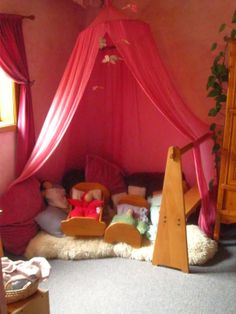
(226, 200)
(170, 247)
(86, 226)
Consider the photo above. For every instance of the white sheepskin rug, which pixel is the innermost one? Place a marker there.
(200, 248)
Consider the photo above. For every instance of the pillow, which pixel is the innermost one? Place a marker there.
(152, 181)
(102, 171)
(56, 197)
(116, 198)
(137, 190)
(50, 219)
(72, 177)
(20, 204)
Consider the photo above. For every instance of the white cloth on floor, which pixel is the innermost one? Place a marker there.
(35, 268)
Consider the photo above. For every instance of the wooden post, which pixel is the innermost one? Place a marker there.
(170, 248)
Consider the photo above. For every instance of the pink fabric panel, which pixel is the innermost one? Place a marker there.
(156, 83)
(65, 102)
(14, 63)
(145, 64)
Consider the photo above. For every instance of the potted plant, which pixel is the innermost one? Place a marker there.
(217, 84)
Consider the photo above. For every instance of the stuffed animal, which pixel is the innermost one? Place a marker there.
(54, 195)
(87, 206)
(155, 205)
(128, 217)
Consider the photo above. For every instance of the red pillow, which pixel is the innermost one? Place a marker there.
(20, 204)
(102, 171)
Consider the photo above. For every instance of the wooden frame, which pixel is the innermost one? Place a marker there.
(122, 232)
(85, 226)
(226, 198)
(170, 247)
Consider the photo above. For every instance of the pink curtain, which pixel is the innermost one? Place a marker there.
(13, 62)
(153, 78)
(137, 49)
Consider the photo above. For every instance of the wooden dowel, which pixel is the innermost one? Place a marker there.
(198, 141)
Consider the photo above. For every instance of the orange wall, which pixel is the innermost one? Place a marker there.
(184, 31)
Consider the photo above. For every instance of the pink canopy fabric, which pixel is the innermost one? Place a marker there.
(139, 76)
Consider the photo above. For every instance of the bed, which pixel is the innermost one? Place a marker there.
(87, 226)
(124, 232)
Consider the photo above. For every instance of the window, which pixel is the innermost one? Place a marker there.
(7, 102)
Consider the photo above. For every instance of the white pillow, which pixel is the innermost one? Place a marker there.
(137, 190)
(116, 197)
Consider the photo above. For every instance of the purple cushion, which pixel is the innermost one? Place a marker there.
(50, 219)
(102, 171)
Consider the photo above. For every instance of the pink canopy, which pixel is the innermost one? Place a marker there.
(129, 111)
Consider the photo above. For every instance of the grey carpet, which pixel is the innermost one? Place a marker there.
(123, 286)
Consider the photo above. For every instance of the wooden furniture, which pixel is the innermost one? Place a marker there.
(170, 247)
(123, 232)
(226, 198)
(86, 226)
(1, 246)
(3, 307)
(38, 303)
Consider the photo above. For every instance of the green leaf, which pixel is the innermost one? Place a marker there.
(221, 98)
(233, 33)
(217, 86)
(212, 126)
(219, 132)
(222, 27)
(234, 17)
(213, 47)
(215, 148)
(225, 77)
(217, 158)
(212, 112)
(213, 93)
(217, 59)
(219, 69)
(211, 81)
(211, 185)
(218, 106)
